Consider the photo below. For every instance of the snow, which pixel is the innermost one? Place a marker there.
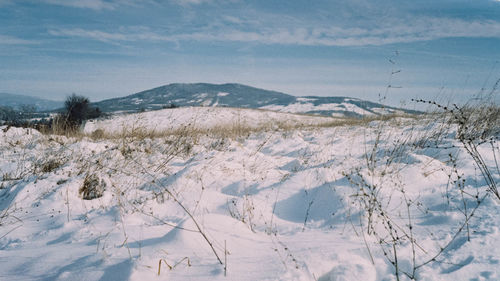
(199, 117)
(137, 101)
(274, 204)
(206, 102)
(386, 111)
(308, 107)
(305, 99)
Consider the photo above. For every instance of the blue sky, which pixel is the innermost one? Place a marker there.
(107, 48)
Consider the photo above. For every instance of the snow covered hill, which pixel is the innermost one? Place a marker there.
(237, 95)
(189, 194)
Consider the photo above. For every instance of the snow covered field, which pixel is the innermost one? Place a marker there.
(203, 118)
(311, 202)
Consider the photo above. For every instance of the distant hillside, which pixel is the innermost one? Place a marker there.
(16, 101)
(237, 95)
(200, 94)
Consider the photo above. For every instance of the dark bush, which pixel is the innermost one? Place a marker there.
(77, 110)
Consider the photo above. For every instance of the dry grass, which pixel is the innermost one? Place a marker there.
(236, 130)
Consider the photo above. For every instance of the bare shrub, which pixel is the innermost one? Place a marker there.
(92, 187)
(388, 208)
(50, 165)
(97, 134)
(477, 124)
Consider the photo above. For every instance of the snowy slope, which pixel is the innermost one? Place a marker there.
(274, 205)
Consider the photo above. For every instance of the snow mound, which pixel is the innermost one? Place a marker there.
(274, 205)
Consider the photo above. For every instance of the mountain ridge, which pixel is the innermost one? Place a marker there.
(239, 95)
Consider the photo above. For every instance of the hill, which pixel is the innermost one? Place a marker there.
(17, 101)
(237, 95)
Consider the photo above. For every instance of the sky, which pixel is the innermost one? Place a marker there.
(379, 50)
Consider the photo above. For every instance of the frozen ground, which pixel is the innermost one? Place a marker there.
(274, 205)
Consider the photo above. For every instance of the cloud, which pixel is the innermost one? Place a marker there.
(110, 36)
(421, 29)
(198, 2)
(191, 2)
(99, 5)
(9, 40)
(96, 4)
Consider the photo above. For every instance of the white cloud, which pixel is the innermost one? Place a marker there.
(396, 32)
(191, 2)
(9, 40)
(198, 2)
(89, 4)
(96, 4)
(110, 37)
